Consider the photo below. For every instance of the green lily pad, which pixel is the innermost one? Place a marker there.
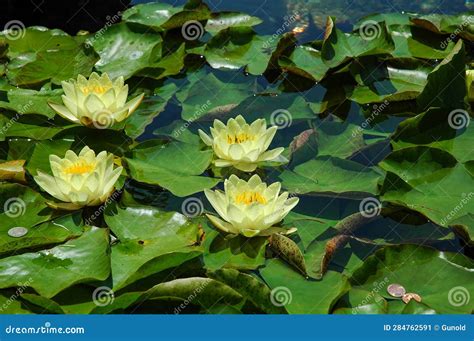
(201, 99)
(417, 268)
(447, 24)
(338, 47)
(249, 287)
(39, 160)
(147, 222)
(33, 127)
(411, 41)
(436, 128)
(36, 55)
(21, 206)
(49, 233)
(446, 85)
(305, 61)
(164, 16)
(26, 101)
(388, 81)
(237, 47)
(328, 175)
(222, 20)
(299, 295)
(10, 305)
(441, 194)
(359, 301)
(149, 241)
(50, 271)
(124, 52)
(162, 165)
(236, 253)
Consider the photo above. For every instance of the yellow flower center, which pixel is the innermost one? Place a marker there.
(248, 198)
(239, 138)
(97, 89)
(80, 167)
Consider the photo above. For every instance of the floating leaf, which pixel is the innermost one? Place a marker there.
(50, 271)
(327, 175)
(164, 167)
(417, 269)
(36, 56)
(237, 47)
(301, 296)
(124, 52)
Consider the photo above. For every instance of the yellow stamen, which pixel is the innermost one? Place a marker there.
(239, 138)
(97, 89)
(248, 198)
(80, 167)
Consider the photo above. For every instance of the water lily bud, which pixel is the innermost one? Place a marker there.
(80, 180)
(250, 208)
(96, 102)
(240, 144)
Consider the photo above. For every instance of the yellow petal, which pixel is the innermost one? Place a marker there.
(64, 112)
(133, 104)
(222, 225)
(205, 138)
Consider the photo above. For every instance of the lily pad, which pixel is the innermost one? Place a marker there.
(50, 271)
(237, 47)
(328, 175)
(301, 296)
(124, 52)
(36, 56)
(417, 269)
(164, 167)
(338, 47)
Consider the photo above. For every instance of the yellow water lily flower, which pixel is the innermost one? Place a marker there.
(96, 102)
(80, 180)
(250, 208)
(470, 85)
(240, 144)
